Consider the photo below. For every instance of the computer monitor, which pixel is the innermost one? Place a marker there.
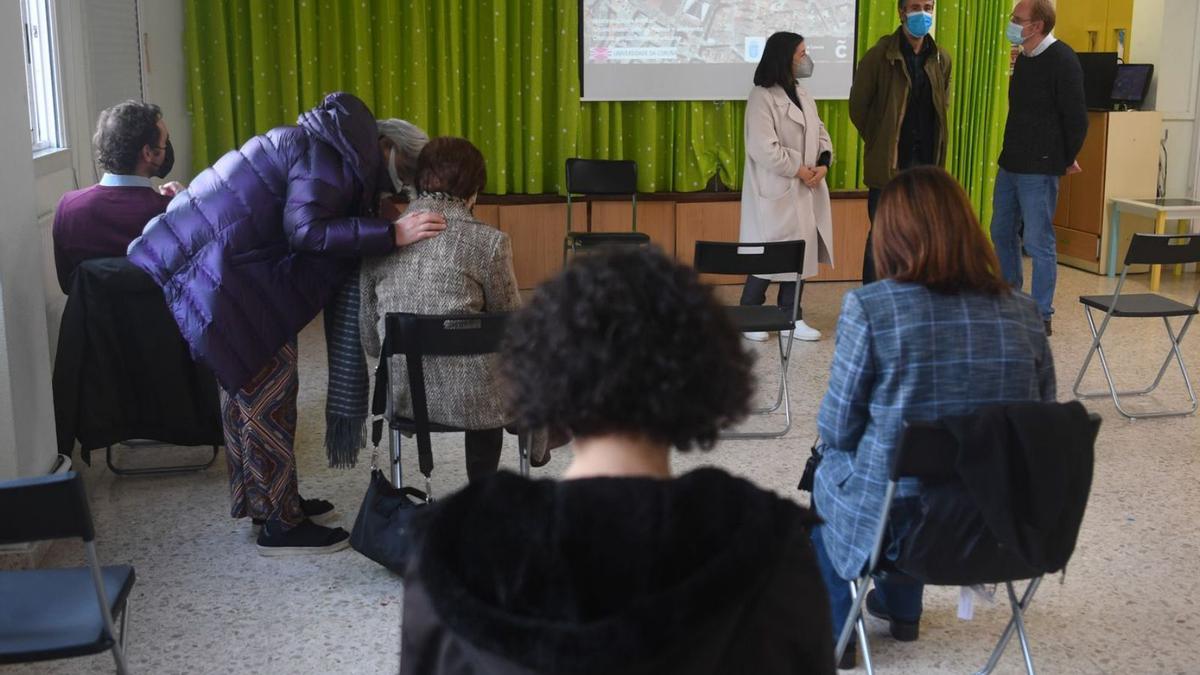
(1099, 73)
(1132, 84)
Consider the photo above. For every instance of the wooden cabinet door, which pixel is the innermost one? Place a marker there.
(1086, 193)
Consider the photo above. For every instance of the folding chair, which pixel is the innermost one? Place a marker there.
(1145, 249)
(783, 257)
(58, 613)
(416, 336)
(606, 177)
(928, 451)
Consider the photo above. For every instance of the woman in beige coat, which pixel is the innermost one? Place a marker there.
(788, 153)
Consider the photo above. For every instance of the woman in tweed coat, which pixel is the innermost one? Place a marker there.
(941, 334)
(468, 269)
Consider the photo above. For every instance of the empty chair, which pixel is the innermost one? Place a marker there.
(783, 257)
(1145, 249)
(605, 178)
(50, 614)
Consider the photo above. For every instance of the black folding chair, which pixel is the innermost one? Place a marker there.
(783, 257)
(603, 177)
(415, 336)
(929, 452)
(58, 613)
(1145, 249)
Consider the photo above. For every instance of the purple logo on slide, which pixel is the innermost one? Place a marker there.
(599, 54)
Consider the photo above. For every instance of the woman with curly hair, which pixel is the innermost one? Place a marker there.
(619, 567)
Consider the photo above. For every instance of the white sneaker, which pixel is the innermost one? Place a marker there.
(756, 336)
(805, 332)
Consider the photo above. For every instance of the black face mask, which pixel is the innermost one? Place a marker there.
(167, 163)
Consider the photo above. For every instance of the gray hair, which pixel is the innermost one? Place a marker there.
(409, 140)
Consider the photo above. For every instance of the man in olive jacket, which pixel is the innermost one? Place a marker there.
(898, 104)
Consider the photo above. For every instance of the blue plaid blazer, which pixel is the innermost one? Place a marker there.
(905, 353)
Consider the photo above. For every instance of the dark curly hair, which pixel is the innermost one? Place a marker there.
(627, 342)
(451, 165)
(121, 133)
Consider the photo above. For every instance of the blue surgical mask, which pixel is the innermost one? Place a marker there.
(1015, 33)
(919, 24)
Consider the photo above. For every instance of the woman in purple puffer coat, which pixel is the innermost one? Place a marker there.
(248, 256)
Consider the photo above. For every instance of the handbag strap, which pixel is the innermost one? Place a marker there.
(416, 385)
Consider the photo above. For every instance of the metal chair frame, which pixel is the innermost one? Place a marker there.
(1144, 249)
(621, 180)
(59, 493)
(759, 258)
(415, 336)
(928, 451)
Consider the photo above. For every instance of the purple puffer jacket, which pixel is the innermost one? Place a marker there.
(259, 242)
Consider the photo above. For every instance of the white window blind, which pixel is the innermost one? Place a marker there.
(114, 53)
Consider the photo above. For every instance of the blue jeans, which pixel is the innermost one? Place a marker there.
(902, 600)
(1032, 199)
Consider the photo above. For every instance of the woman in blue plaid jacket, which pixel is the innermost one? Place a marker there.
(941, 334)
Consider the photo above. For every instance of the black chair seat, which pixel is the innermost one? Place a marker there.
(1139, 305)
(52, 614)
(603, 239)
(760, 318)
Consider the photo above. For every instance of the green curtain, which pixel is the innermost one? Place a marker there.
(504, 73)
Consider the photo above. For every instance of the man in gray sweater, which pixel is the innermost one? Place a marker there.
(1047, 123)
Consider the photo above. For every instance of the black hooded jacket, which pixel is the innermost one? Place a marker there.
(705, 573)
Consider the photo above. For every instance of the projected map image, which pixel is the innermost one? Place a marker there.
(711, 31)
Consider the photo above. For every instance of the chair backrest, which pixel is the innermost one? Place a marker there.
(929, 451)
(44, 507)
(776, 257)
(442, 335)
(1163, 249)
(416, 336)
(601, 176)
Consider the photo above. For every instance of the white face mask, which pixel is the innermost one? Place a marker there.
(397, 184)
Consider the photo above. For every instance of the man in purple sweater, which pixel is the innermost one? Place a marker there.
(132, 144)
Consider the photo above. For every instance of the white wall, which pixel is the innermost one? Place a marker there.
(30, 300)
(27, 443)
(1167, 34)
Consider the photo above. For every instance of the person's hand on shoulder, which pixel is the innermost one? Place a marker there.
(413, 227)
(171, 189)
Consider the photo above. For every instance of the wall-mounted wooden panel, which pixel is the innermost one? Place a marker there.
(537, 232)
(850, 227)
(706, 221)
(656, 219)
(487, 213)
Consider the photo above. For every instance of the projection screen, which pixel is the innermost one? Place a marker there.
(671, 50)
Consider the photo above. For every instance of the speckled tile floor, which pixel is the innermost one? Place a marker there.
(205, 602)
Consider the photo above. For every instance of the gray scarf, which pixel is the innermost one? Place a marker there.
(346, 397)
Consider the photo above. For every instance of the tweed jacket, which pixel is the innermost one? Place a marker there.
(466, 269)
(906, 353)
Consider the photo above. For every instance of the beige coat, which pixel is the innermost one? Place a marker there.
(776, 205)
(466, 269)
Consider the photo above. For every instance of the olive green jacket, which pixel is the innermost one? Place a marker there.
(879, 98)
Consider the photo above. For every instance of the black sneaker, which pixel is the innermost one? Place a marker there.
(1049, 330)
(307, 538)
(904, 631)
(319, 511)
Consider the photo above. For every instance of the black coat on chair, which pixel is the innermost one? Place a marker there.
(705, 573)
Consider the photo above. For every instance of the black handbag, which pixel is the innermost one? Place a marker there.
(810, 467)
(382, 530)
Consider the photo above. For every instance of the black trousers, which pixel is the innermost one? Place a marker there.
(868, 273)
(483, 448)
(755, 293)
